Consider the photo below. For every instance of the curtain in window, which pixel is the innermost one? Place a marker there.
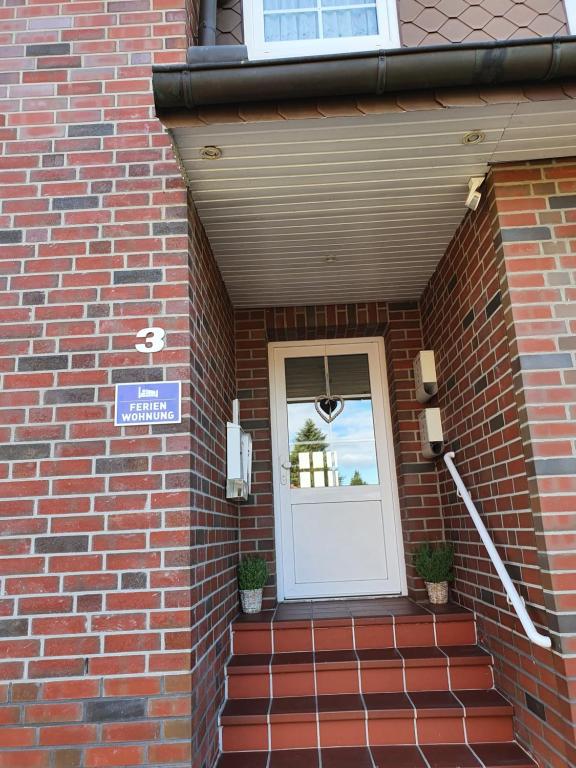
(286, 20)
(350, 23)
(287, 5)
(291, 26)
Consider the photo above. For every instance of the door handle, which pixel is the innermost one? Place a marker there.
(285, 466)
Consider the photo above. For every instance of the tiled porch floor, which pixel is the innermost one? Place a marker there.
(305, 610)
(427, 756)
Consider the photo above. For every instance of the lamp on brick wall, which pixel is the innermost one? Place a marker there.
(425, 377)
(431, 433)
(474, 196)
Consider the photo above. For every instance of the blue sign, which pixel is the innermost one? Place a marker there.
(152, 402)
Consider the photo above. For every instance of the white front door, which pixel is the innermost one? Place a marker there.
(337, 521)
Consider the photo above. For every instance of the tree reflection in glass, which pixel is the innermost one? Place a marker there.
(342, 452)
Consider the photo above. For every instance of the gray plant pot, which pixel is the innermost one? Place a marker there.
(251, 600)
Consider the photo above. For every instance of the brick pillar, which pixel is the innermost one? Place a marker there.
(118, 547)
(535, 249)
(494, 314)
(536, 206)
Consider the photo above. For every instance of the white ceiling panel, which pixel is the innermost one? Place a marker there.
(352, 209)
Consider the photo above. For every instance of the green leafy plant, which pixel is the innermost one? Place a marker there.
(252, 572)
(434, 563)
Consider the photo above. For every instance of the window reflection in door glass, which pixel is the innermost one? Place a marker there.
(339, 453)
(349, 375)
(305, 377)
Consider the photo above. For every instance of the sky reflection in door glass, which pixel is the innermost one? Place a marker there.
(347, 443)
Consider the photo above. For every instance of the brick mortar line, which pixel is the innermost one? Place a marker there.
(124, 164)
(91, 745)
(89, 614)
(98, 532)
(454, 515)
(53, 478)
(538, 682)
(102, 678)
(510, 628)
(116, 613)
(552, 728)
(487, 516)
(103, 554)
(103, 654)
(494, 575)
(501, 609)
(107, 513)
(81, 572)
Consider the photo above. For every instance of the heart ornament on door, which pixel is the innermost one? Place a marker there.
(328, 408)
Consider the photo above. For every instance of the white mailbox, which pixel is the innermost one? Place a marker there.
(238, 459)
(431, 435)
(425, 376)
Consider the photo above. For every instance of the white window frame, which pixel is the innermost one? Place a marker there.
(258, 48)
(570, 8)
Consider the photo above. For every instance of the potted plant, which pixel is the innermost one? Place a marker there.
(434, 564)
(252, 576)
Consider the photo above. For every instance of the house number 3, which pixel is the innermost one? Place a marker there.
(155, 339)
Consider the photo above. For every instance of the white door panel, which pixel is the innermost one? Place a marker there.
(327, 537)
(337, 521)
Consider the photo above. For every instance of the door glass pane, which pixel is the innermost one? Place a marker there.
(343, 451)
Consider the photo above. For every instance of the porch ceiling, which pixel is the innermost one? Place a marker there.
(347, 209)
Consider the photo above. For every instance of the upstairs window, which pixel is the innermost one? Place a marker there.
(285, 28)
(571, 14)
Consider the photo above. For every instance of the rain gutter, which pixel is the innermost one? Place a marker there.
(222, 74)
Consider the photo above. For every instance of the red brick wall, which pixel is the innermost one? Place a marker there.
(257, 514)
(465, 323)
(536, 252)
(118, 549)
(399, 324)
(420, 509)
(213, 522)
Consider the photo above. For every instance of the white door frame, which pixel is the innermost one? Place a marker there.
(388, 457)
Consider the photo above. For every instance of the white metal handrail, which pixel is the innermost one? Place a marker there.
(536, 637)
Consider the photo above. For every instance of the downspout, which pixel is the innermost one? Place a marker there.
(207, 52)
(207, 79)
(207, 22)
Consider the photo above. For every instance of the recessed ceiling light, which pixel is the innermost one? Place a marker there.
(210, 153)
(473, 137)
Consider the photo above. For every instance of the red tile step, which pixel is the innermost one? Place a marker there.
(369, 719)
(489, 755)
(367, 670)
(364, 684)
(268, 633)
